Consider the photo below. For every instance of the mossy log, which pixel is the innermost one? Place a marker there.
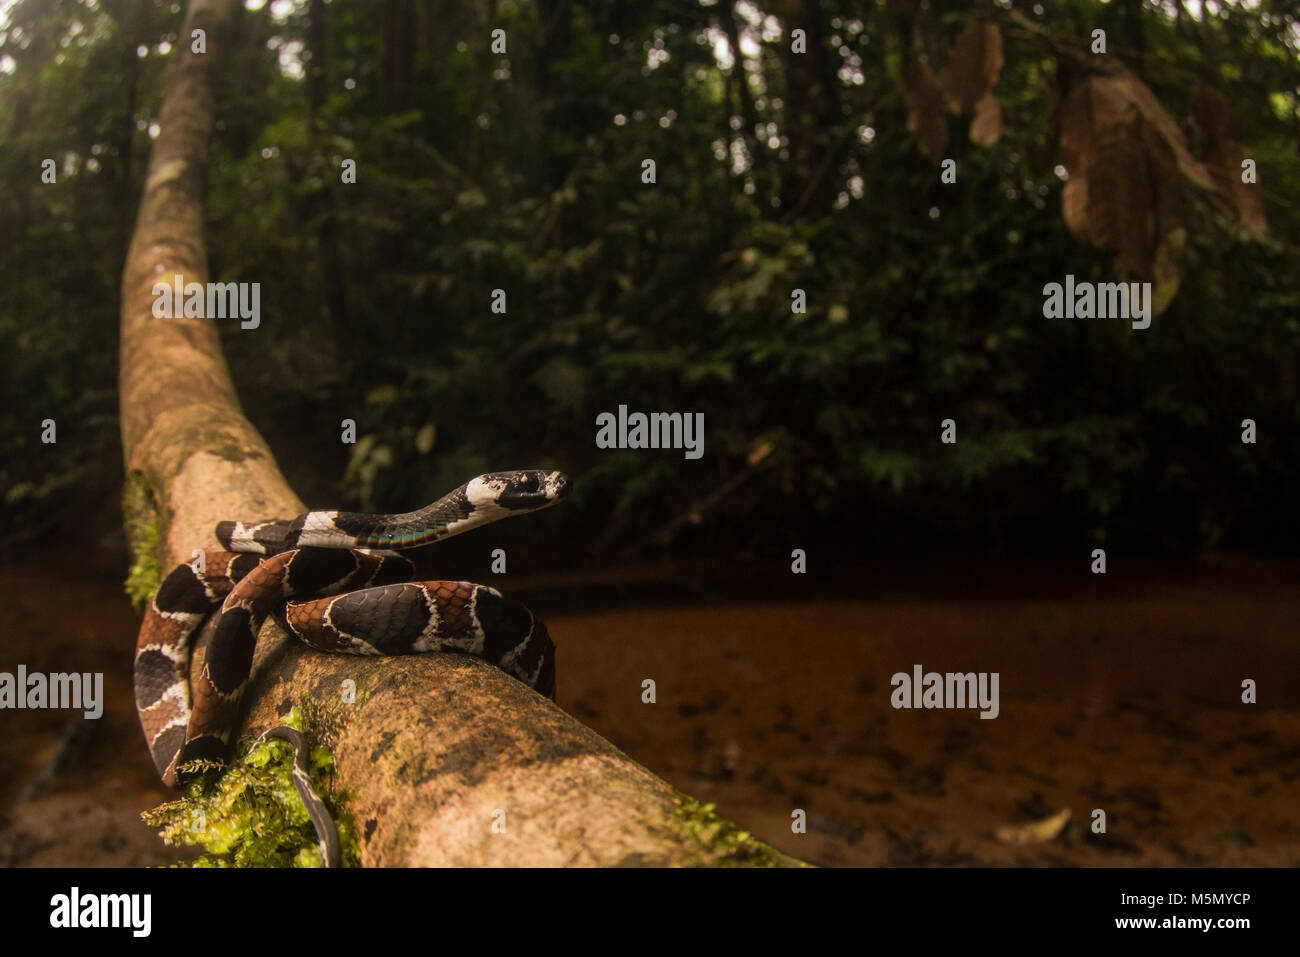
(449, 760)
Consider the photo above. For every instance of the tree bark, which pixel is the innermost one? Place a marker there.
(436, 746)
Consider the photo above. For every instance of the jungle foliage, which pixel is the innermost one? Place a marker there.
(818, 171)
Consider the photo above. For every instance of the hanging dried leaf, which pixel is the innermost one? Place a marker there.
(1126, 84)
(1223, 155)
(1098, 150)
(927, 118)
(986, 127)
(974, 65)
(1123, 188)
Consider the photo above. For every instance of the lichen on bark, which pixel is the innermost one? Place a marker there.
(249, 814)
(720, 842)
(143, 528)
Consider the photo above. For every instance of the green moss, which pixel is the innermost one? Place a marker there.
(144, 536)
(720, 842)
(250, 815)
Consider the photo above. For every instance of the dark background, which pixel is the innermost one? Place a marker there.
(522, 171)
(478, 171)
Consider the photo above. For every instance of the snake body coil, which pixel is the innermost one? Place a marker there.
(318, 577)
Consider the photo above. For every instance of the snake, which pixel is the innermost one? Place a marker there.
(336, 581)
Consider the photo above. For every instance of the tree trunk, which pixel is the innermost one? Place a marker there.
(318, 205)
(812, 111)
(436, 746)
(748, 111)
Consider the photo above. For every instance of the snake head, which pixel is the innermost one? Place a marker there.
(522, 490)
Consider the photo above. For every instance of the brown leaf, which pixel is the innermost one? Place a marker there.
(1123, 190)
(1223, 155)
(986, 127)
(1126, 84)
(1090, 107)
(927, 118)
(1074, 204)
(1098, 145)
(974, 65)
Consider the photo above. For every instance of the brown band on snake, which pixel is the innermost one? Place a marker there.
(349, 601)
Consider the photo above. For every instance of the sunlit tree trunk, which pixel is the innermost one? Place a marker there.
(450, 761)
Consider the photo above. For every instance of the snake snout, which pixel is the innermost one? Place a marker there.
(557, 485)
(524, 489)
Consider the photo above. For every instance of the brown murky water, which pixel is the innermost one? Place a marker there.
(1120, 693)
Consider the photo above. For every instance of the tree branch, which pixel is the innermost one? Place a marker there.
(435, 745)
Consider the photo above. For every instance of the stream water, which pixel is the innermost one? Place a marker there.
(1121, 694)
